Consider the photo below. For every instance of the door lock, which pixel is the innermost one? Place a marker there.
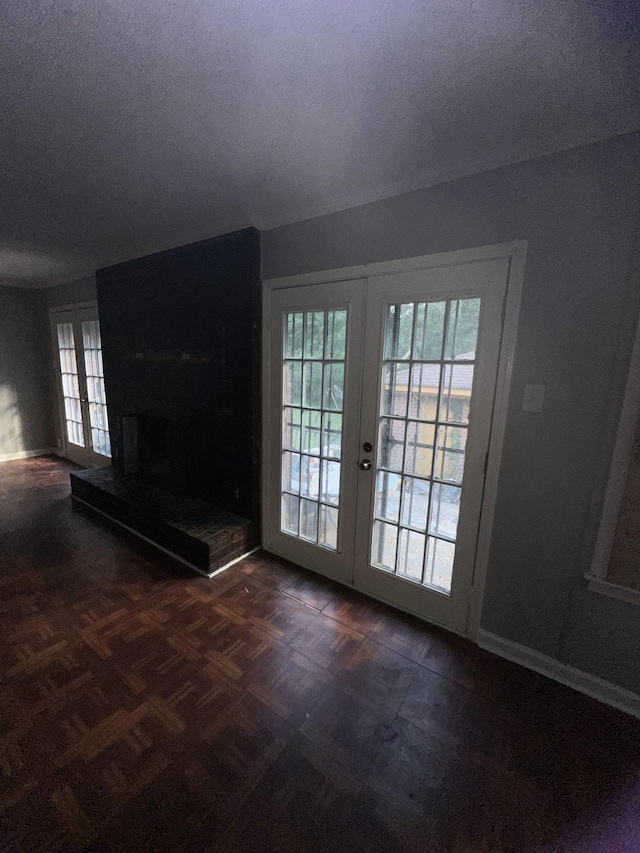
(365, 465)
(367, 447)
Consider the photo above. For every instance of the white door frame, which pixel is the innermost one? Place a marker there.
(515, 252)
(63, 309)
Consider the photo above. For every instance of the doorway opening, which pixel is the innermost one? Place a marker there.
(80, 383)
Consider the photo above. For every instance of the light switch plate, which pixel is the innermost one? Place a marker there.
(533, 398)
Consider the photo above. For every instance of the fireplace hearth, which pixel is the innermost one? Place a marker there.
(204, 536)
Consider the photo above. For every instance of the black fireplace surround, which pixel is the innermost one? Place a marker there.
(180, 343)
(181, 351)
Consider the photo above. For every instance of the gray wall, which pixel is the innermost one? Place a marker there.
(578, 210)
(71, 293)
(25, 392)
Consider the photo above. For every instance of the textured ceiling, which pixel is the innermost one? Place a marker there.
(130, 125)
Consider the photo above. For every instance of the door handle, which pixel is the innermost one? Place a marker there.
(365, 465)
(84, 399)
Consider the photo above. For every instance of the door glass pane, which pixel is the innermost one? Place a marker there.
(336, 335)
(291, 472)
(427, 343)
(394, 389)
(391, 444)
(415, 502)
(311, 421)
(387, 500)
(312, 384)
(410, 554)
(418, 452)
(330, 482)
(425, 385)
(292, 383)
(309, 520)
(95, 387)
(331, 435)
(314, 348)
(462, 329)
(309, 476)
(328, 527)
(314, 334)
(290, 513)
(439, 568)
(455, 399)
(291, 428)
(398, 331)
(384, 545)
(294, 336)
(450, 453)
(333, 386)
(445, 509)
(427, 381)
(70, 385)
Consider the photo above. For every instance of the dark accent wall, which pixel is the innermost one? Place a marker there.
(180, 340)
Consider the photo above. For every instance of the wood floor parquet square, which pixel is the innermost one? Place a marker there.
(328, 643)
(350, 727)
(290, 685)
(299, 802)
(277, 574)
(445, 710)
(378, 673)
(433, 785)
(376, 826)
(311, 590)
(147, 710)
(356, 611)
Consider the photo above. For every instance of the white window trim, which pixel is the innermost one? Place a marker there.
(622, 455)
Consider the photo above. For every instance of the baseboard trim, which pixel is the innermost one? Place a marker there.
(160, 547)
(622, 593)
(597, 688)
(27, 454)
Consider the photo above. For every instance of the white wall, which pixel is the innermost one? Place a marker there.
(25, 402)
(578, 210)
(71, 293)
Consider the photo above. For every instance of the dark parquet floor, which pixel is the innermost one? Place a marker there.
(144, 708)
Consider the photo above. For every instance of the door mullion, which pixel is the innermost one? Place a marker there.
(82, 381)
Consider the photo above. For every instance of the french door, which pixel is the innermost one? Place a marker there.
(380, 402)
(83, 404)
